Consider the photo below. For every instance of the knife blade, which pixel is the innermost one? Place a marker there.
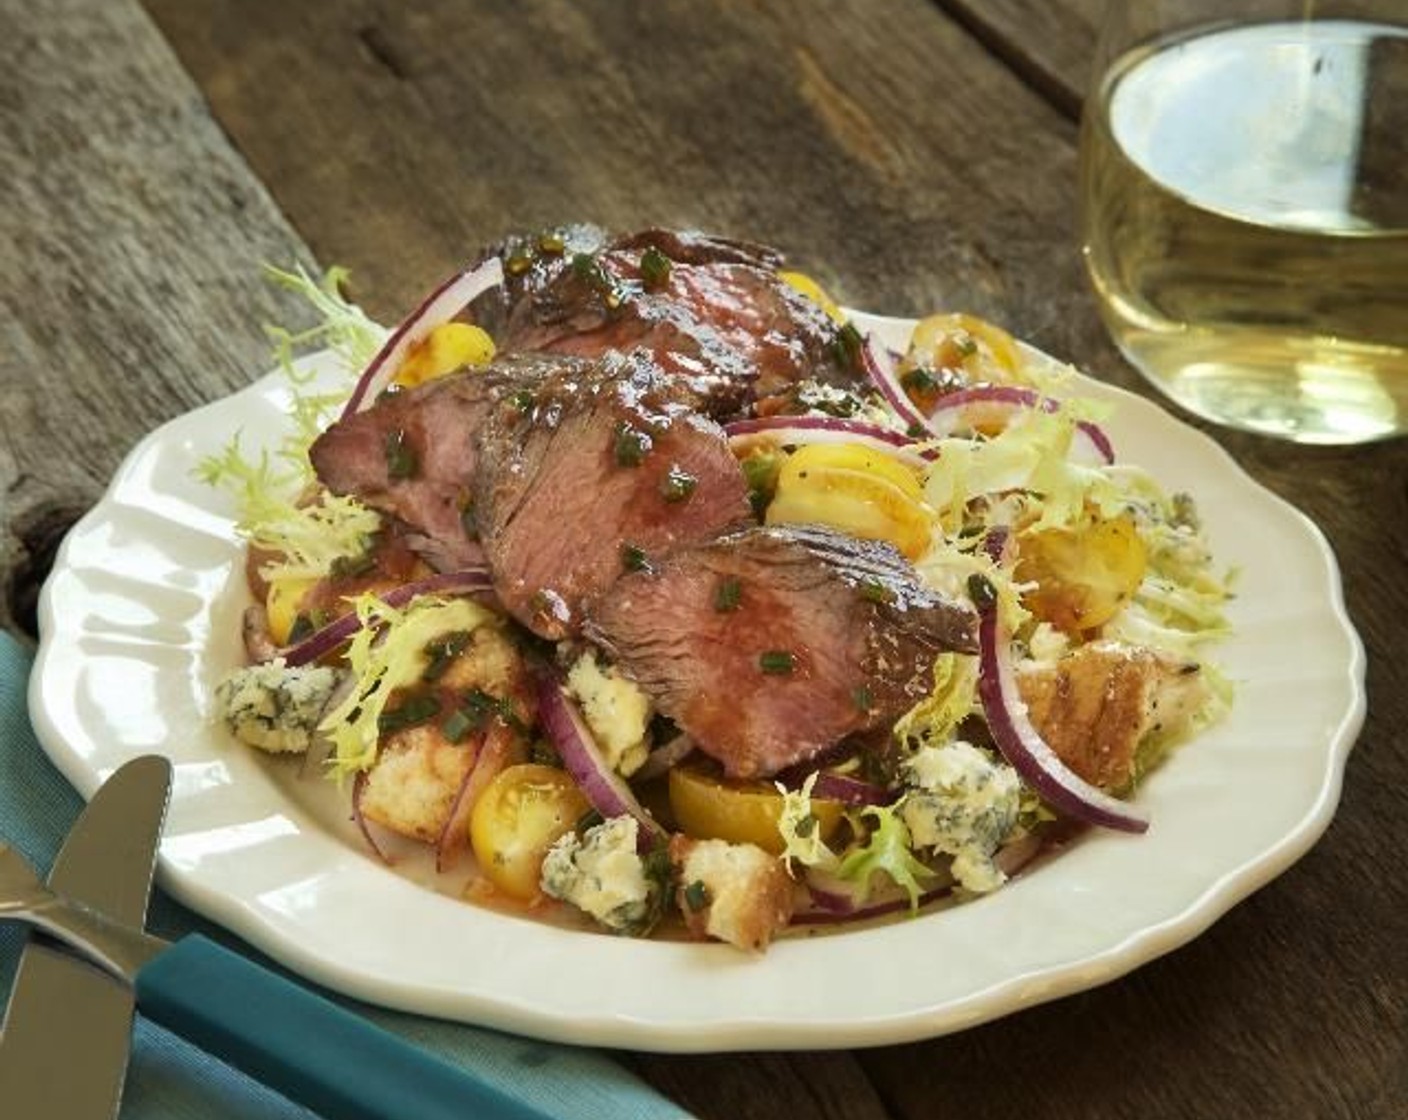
(316, 1053)
(67, 1031)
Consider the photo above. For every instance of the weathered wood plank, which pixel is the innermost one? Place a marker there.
(1048, 43)
(889, 155)
(133, 238)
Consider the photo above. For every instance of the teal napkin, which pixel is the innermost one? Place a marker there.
(170, 1080)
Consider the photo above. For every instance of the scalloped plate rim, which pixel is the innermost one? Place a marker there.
(579, 1008)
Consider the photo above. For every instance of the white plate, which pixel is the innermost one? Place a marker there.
(141, 618)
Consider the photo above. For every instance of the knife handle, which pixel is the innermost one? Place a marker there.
(304, 1046)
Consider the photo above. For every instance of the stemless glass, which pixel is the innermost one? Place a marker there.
(1244, 188)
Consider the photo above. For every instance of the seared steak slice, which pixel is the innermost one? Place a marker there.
(713, 312)
(607, 470)
(770, 645)
(413, 453)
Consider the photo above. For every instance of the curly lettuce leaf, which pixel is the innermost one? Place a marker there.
(887, 851)
(933, 721)
(387, 653)
(801, 834)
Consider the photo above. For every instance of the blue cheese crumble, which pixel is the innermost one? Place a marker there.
(963, 803)
(616, 710)
(602, 874)
(273, 706)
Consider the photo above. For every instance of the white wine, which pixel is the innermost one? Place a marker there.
(1245, 224)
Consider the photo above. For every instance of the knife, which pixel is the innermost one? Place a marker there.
(68, 1027)
(306, 1047)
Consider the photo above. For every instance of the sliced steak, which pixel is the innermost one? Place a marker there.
(607, 469)
(770, 645)
(713, 312)
(413, 454)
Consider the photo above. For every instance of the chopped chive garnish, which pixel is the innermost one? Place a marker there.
(469, 522)
(697, 896)
(863, 698)
(727, 595)
(654, 269)
(522, 400)
(981, 591)
(966, 345)
(848, 345)
(876, 591)
(634, 559)
(401, 462)
(457, 725)
(350, 567)
(919, 379)
(415, 710)
(678, 484)
(632, 446)
(777, 662)
(302, 628)
(441, 651)
(543, 753)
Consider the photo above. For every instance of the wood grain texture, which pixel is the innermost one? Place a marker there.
(129, 286)
(907, 162)
(1048, 43)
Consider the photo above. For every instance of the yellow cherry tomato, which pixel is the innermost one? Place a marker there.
(710, 807)
(1083, 576)
(958, 341)
(801, 282)
(857, 489)
(282, 602)
(445, 349)
(517, 818)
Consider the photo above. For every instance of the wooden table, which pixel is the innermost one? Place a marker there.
(912, 155)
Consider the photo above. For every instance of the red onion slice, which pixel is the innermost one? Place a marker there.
(954, 411)
(438, 308)
(884, 375)
(494, 753)
(802, 430)
(603, 787)
(454, 832)
(359, 789)
(1021, 744)
(466, 581)
(836, 901)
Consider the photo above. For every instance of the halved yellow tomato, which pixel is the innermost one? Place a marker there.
(710, 807)
(1083, 575)
(282, 602)
(959, 341)
(516, 819)
(857, 489)
(444, 350)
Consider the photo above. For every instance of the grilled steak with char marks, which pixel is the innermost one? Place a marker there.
(770, 645)
(608, 469)
(414, 453)
(713, 312)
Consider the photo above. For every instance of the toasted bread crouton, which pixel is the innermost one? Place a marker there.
(1104, 708)
(418, 773)
(411, 789)
(732, 892)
